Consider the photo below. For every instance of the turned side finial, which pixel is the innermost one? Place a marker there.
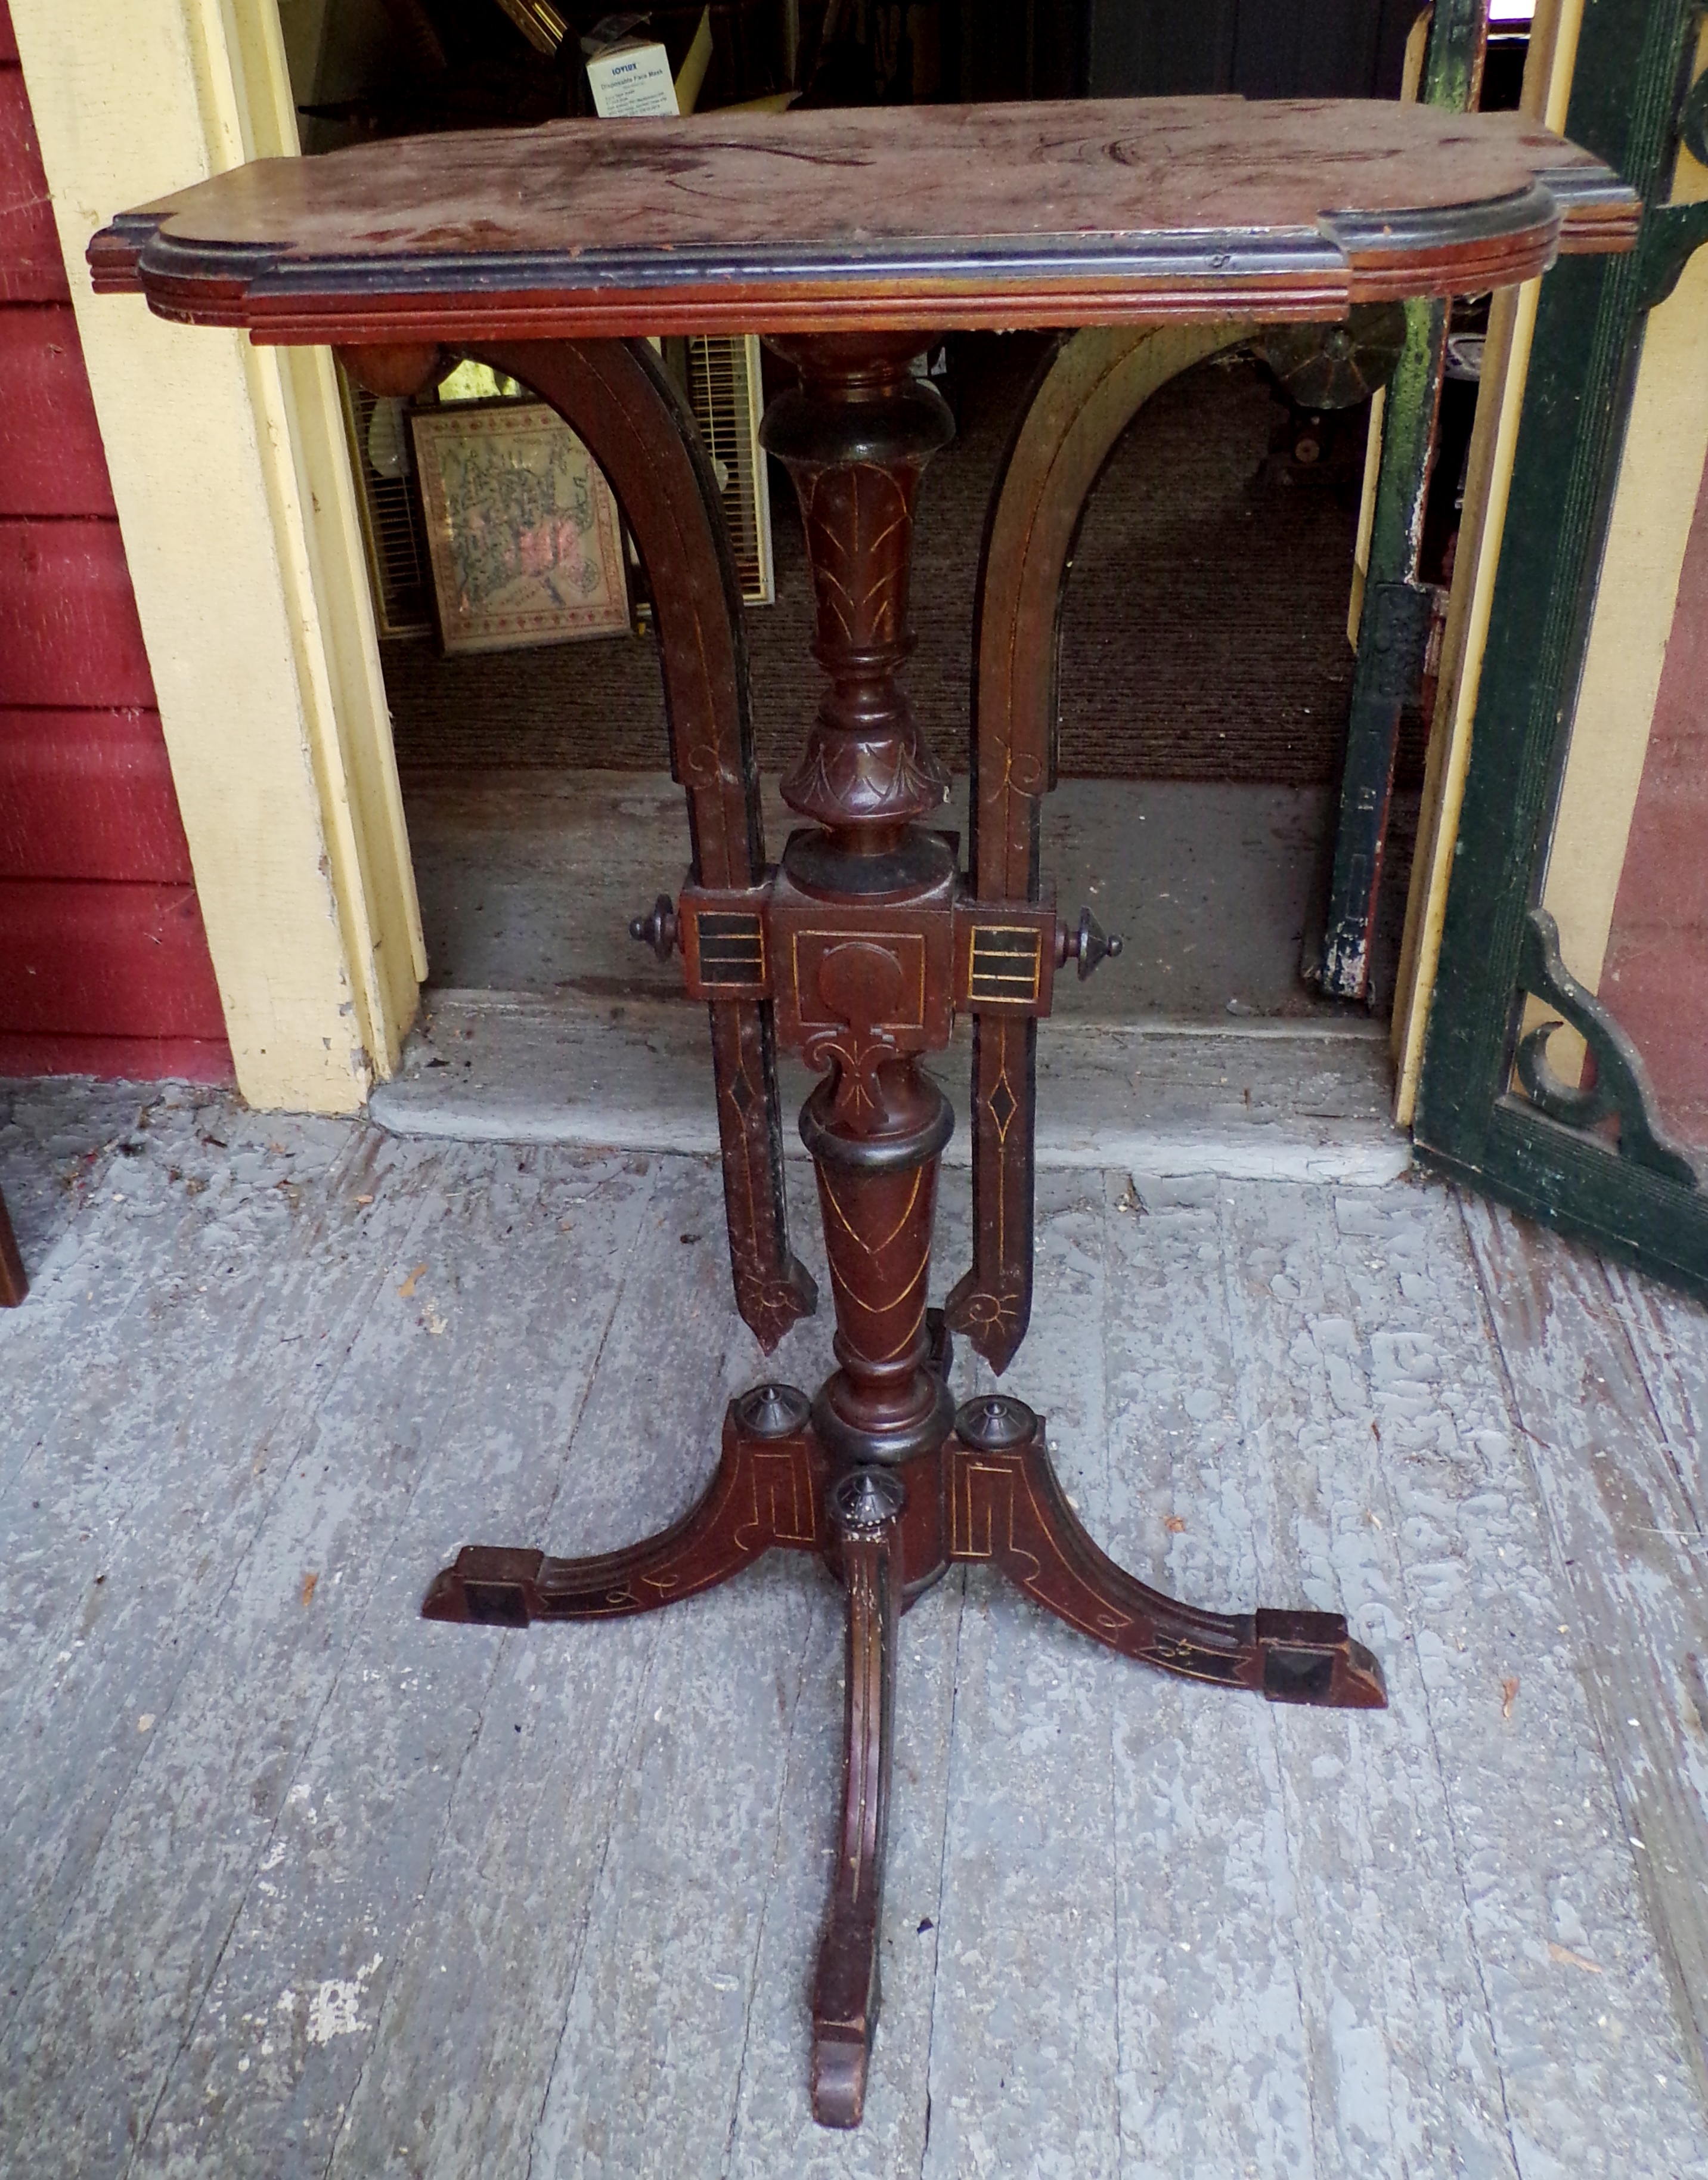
(1088, 945)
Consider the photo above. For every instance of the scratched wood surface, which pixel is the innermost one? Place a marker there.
(292, 1883)
(1070, 212)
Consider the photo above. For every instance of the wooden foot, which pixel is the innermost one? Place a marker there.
(865, 1514)
(1006, 1505)
(766, 1492)
(15, 1282)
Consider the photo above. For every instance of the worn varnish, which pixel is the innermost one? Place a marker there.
(935, 217)
(851, 238)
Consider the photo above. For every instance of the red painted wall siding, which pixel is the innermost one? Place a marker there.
(1655, 975)
(31, 269)
(88, 795)
(51, 457)
(68, 631)
(104, 966)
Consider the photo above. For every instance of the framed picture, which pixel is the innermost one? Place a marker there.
(522, 529)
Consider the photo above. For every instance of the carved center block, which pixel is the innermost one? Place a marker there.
(879, 969)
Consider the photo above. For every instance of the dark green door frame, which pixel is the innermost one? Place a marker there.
(1544, 1152)
(1394, 619)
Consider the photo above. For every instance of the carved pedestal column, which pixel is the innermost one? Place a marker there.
(856, 951)
(864, 901)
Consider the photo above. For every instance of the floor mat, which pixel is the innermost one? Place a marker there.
(1204, 638)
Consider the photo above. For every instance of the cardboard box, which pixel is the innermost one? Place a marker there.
(632, 80)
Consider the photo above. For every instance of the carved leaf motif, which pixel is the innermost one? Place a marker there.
(860, 526)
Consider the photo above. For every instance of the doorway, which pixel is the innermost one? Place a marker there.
(1206, 676)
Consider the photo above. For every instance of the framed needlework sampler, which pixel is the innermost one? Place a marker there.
(523, 532)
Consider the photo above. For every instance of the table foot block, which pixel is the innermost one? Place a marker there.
(1311, 1658)
(839, 2061)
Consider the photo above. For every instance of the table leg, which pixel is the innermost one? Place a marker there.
(865, 1512)
(1088, 389)
(858, 947)
(1006, 1504)
(617, 396)
(15, 1282)
(767, 1490)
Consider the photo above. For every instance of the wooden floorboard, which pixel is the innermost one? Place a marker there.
(141, 1496)
(644, 2069)
(1023, 2048)
(365, 1894)
(490, 1371)
(1606, 1406)
(551, 1813)
(1216, 2064)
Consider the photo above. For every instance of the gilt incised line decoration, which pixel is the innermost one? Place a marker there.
(893, 223)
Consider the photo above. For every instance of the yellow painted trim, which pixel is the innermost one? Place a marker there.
(1411, 81)
(1661, 472)
(1494, 445)
(237, 514)
(1366, 514)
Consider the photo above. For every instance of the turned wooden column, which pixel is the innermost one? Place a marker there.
(860, 895)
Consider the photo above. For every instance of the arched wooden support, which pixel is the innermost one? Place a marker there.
(618, 399)
(1088, 389)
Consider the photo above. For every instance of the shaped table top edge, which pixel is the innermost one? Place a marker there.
(281, 290)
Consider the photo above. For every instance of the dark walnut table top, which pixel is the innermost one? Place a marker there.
(1091, 212)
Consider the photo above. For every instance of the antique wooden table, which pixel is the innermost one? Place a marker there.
(852, 240)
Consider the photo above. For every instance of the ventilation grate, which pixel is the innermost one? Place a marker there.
(379, 437)
(724, 392)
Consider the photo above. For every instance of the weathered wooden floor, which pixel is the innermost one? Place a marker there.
(293, 1883)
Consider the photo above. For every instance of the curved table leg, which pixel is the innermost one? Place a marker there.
(766, 1490)
(1007, 1506)
(618, 398)
(866, 1506)
(1089, 389)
